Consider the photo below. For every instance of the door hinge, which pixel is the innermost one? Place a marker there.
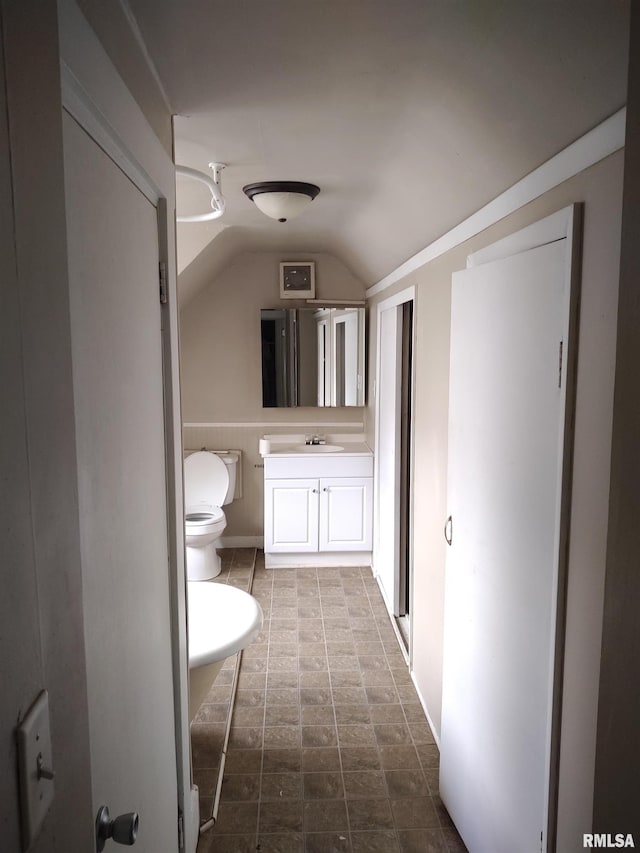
(180, 832)
(560, 365)
(162, 267)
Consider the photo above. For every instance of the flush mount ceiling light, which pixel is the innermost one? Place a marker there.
(218, 202)
(281, 200)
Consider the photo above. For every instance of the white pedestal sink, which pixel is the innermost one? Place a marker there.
(221, 620)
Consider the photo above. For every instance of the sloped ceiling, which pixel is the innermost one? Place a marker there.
(410, 115)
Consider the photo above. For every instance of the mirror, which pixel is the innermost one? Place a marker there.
(312, 357)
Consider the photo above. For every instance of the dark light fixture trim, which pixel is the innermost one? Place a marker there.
(282, 189)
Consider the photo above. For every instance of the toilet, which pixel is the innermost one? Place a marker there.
(209, 484)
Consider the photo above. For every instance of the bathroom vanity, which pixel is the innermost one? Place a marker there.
(318, 503)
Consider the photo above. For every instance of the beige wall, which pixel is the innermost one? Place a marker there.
(600, 188)
(618, 753)
(220, 362)
(110, 21)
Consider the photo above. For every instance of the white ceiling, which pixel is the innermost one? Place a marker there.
(409, 114)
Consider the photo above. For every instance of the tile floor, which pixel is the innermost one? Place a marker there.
(329, 749)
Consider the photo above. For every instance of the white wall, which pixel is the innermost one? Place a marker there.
(600, 188)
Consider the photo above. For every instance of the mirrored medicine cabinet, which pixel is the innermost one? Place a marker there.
(312, 356)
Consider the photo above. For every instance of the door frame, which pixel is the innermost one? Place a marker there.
(398, 299)
(95, 96)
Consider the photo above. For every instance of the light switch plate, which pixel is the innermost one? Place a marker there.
(34, 766)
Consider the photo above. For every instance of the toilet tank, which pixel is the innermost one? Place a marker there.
(230, 459)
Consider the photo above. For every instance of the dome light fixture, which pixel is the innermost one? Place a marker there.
(281, 200)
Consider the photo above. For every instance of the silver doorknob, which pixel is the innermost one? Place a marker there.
(122, 829)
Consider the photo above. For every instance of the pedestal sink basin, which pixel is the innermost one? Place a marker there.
(222, 620)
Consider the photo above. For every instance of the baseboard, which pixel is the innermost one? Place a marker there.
(435, 734)
(241, 541)
(392, 620)
(326, 559)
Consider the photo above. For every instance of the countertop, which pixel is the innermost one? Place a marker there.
(294, 446)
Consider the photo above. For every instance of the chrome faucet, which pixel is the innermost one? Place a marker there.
(315, 439)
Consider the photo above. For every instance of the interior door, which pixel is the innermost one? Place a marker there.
(506, 427)
(118, 390)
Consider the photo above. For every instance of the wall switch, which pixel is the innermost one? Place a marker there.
(35, 769)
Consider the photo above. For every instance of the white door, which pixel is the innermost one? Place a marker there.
(506, 428)
(290, 516)
(345, 514)
(388, 453)
(118, 390)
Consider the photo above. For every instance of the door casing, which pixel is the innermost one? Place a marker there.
(387, 459)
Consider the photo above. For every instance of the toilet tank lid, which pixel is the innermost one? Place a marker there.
(228, 458)
(206, 479)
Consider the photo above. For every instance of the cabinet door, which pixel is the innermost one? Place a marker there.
(290, 516)
(345, 514)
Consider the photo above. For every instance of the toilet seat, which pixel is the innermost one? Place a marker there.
(206, 480)
(199, 516)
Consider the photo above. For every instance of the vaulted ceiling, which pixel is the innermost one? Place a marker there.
(409, 114)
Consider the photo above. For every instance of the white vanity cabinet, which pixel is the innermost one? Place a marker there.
(345, 522)
(326, 515)
(291, 511)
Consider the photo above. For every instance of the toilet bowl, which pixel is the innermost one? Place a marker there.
(207, 488)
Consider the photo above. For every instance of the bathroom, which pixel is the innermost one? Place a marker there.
(222, 409)
(61, 578)
(220, 323)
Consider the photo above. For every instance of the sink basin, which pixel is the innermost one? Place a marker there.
(222, 620)
(318, 448)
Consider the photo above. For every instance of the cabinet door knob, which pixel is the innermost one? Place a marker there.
(325, 489)
(315, 491)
